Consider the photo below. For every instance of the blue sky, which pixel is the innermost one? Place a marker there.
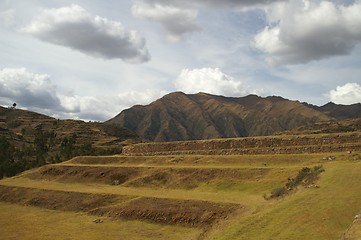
(88, 59)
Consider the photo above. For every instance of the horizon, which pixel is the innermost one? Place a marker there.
(134, 52)
(115, 114)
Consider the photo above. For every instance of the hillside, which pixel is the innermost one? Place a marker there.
(178, 116)
(235, 197)
(29, 139)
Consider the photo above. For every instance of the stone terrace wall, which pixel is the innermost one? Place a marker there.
(252, 145)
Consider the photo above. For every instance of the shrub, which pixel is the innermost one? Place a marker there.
(306, 176)
(278, 192)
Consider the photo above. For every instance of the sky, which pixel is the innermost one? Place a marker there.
(89, 60)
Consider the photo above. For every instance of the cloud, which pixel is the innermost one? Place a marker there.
(303, 31)
(77, 29)
(209, 80)
(7, 18)
(36, 92)
(212, 3)
(179, 17)
(27, 89)
(102, 108)
(349, 93)
(129, 99)
(176, 21)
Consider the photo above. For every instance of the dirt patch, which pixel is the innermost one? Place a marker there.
(58, 200)
(169, 211)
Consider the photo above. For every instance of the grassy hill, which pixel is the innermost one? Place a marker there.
(186, 196)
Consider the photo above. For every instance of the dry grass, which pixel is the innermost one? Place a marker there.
(354, 232)
(323, 212)
(31, 223)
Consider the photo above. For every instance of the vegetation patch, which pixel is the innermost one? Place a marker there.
(305, 177)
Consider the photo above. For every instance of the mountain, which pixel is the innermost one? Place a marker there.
(338, 111)
(179, 116)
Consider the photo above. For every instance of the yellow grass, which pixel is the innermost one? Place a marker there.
(323, 212)
(31, 223)
(317, 213)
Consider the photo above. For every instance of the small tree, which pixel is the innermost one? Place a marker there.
(14, 105)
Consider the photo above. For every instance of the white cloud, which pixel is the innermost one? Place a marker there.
(36, 92)
(77, 29)
(177, 22)
(102, 108)
(128, 99)
(86, 107)
(303, 31)
(349, 93)
(27, 89)
(209, 80)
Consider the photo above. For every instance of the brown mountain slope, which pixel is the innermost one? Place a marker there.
(339, 111)
(178, 116)
(21, 126)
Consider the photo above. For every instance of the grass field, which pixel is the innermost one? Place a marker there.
(31, 223)
(183, 197)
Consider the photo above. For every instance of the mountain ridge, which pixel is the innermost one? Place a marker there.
(179, 116)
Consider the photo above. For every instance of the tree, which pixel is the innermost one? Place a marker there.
(14, 105)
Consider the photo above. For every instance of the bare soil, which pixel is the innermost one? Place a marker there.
(169, 211)
(58, 200)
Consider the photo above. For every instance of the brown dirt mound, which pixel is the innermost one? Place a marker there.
(58, 200)
(169, 211)
(184, 178)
